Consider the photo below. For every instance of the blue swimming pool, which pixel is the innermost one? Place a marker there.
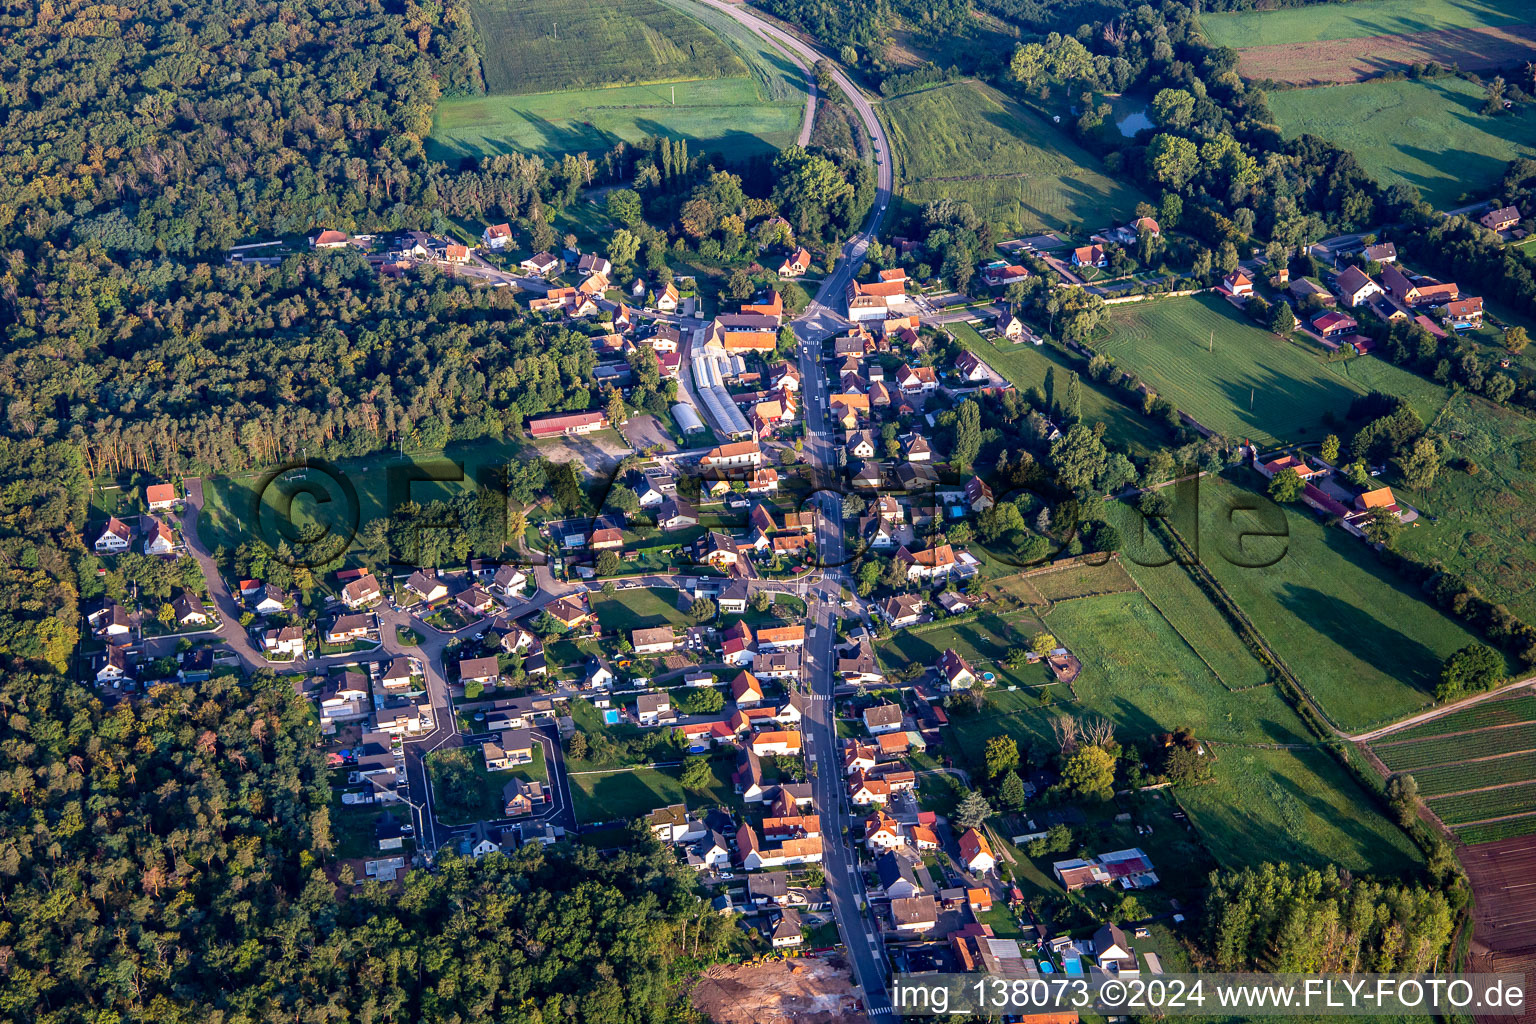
(611, 716)
(1072, 965)
(1046, 967)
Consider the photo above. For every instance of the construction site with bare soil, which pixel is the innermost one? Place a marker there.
(801, 990)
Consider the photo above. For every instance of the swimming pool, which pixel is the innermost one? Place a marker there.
(1072, 965)
(611, 716)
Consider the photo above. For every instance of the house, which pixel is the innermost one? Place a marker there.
(1502, 219)
(676, 514)
(872, 300)
(289, 640)
(665, 300)
(1383, 252)
(592, 264)
(189, 611)
(916, 447)
(343, 698)
(773, 305)
(1381, 497)
(496, 236)
(756, 854)
(897, 877)
(1113, 952)
(657, 640)
(654, 708)
(914, 915)
(455, 254)
(1011, 326)
(1238, 283)
(747, 779)
(1130, 869)
(1464, 314)
(732, 456)
(599, 675)
(971, 368)
(976, 852)
(114, 667)
(955, 671)
(115, 538)
(882, 718)
(541, 264)
(161, 497)
(522, 797)
(427, 588)
(775, 743)
(567, 424)
(861, 444)
(361, 592)
(764, 481)
(510, 749)
(953, 603)
(768, 887)
(160, 540)
(485, 671)
(1354, 287)
(733, 599)
(717, 550)
(710, 853)
(1302, 288)
(593, 286)
(1089, 256)
(1146, 224)
(1332, 324)
(109, 620)
(1298, 463)
(746, 690)
(978, 496)
(933, 563)
(859, 666)
(795, 264)
(781, 637)
(509, 581)
(570, 612)
(329, 240)
(673, 824)
(784, 377)
(266, 599)
(892, 744)
(901, 610)
(882, 832)
(791, 711)
(346, 629)
(777, 665)
(475, 600)
(700, 736)
(916, 380)
(784, 928)
(1001, 275)
(1421, 292)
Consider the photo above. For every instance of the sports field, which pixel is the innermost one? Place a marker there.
(1427, 133)
(1202, 355)
(1359, 18)
(1364, 644)
(1025, 365)
(966, 141)
(1484, 524)
(1294, 805)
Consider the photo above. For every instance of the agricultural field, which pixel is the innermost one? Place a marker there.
(1141, 674)
(1300, 806)
(1383, 124)
(965, 141)
(1482, 525)
(1350, 42)
(1473, 767)
(1202, 355)
(1361, 640)
(1025, 366)
(632, 69)
(624, 42)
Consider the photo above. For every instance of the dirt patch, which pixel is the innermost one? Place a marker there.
(804, 990)
(1504, 921)
(644, 430)
(1354, 60)
(596, 453)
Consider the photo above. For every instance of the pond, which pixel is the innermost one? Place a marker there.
(1133, 123)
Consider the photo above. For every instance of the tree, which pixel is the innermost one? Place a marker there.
(166, 615)
(1172, 161)
(972, 811)
(1186, 766)
(1282, 320)
(1089, 771)
(1072, 400)
(1079, 457)
(762, 601)
(1329, 449)
(1474, 668)
(1286, 486)
(625, 207)
(702, 609)
(608, 564)
(1057, 839)
(1002, 755)
(967, 436)
(1043, 643)
(576, 746)
(546, 625)
(1382, 527)
(1515, 340)
(623, 247)
(696, 773)
(1011, 793)
(1403, 796)
(1420, 466)
(703, 700)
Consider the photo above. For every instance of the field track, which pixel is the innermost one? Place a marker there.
(1335, 61)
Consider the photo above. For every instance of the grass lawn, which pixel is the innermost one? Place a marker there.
(1317, 22)
(1486, 528)
(465, 792)
(966, 141)
(1426, 133)
(624, 793)
(352, 826)
(1141, 675)
(983, 641)
(380, 482)
(1202, 355)
(638, 609)
(1362, 641)
(1299, 806)
(1025, 365)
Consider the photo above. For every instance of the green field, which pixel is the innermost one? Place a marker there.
(1139, 673)
(624, 793)
(1503, 711)
(543, 45)
(1484, 524)
(1317, 22)
(638, 609)
(1299, 806)
(1202, 355)
(1426, 133)
(1363, 643)
(1488, 803)
(1451, 749)
(1025, 365)
(968, 142)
